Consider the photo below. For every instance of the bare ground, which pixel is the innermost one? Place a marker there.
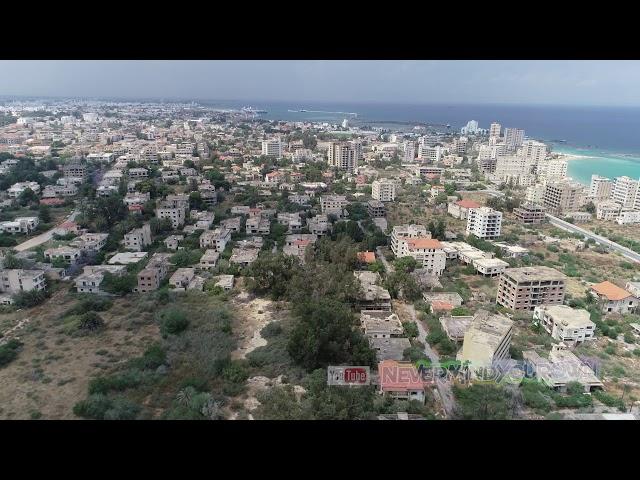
(53, 369)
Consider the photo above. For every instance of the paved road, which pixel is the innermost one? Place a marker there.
(628, 253)
(43, 237)
(443, 386)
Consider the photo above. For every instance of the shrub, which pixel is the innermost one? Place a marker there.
(100, 407)
(271, 330)
(152, 358)
(172, 321)
(118, 382)
(9, 351)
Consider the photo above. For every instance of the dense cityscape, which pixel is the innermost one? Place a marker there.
(179, 261)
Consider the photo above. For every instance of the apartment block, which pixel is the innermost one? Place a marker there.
(345, 155)
(529, 213)
(175, 214)
(527, 287)
(383, 190)
(215, 239)
(625, 191)
(484, 222)
(562, 197)
(19, 280)
(151, 276)
(376, 209)
(487, 341)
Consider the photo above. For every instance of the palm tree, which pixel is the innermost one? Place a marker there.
(185, 395)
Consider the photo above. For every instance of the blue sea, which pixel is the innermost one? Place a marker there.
(608, 137)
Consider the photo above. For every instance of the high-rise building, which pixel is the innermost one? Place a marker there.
(513, 138)
(494, 130)
(344, 155)
(625, 191)
(484, 222)
(562, 197)
(408, 152)
(431, 154)
(272, 147)
(552, 169)
(600, 188)
(532, 150)
(383, 190)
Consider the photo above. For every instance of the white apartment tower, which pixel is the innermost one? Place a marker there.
(513, 138)
(600, 188)
(408, 152)
(383, 190)
(272, 147)
(494, 130)
(484, 222)
(625, 191)
(532, 150)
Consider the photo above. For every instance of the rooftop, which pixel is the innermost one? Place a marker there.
(611, 291)
(533, 274)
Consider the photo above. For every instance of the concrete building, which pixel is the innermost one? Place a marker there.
(258, 225)
(371, 295)
(561, 197)
(383, 190)
(460, 209)
(151, 276)
(90, 280)
(625, 191)
(607, 210)
(613, 299)
(600, 188)
(19, 280)
(427, 153)
(344, 155)
(138, 238)
(333, 203)
(408, 152)
(569, 325)
(376, 209)
(628, 217)
(181, 278)
(19, 225)
(484, 222)
(272, 148)
(487, 341)
(319, 225)
(175, 214)
(513, 138)
(18, 188)
(215, 239)
(561, 368)
(527, 287)
(401, 380)
(68, 255)
(529, 213)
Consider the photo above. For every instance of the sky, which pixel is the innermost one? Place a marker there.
(540, 82)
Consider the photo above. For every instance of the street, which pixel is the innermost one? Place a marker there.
(43, 237)
(443, 386)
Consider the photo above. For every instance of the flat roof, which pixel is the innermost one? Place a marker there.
(533, 274)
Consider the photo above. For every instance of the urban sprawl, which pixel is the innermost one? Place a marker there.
(176, 261)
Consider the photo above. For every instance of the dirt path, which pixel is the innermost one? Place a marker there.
(252, 315)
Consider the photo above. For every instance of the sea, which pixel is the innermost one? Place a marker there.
(607, 139)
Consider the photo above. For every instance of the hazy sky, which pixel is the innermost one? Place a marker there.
(478, 81)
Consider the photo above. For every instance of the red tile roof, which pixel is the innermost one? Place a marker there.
(366, 257)
(468, 204)
(611, 291)
(437, 305)
(399, 376)
(428, 243)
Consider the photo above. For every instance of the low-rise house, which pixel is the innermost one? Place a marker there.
(401, 380)
(300, 199)
(490, 267)
(578, 217)
(453, 298)
(224, 281)
(138, 238)
(633, 288)
(209, 259)
(257, 225)
(561, 368)
(216, 239)
(319, 225)
(52, 191)
(204, 219)
(233, 224)
(20, 225)
(244, 256)
(371, 295)
(69, 255)
(181, 278)
(608, 210)
(569, 325)
(380, 324)
(460, 209)
(455, 326)
(138, 173)
(18, 188)
(137, 198)
(613, 299)
(90, 280)
(90, 242)
(18, 280)
(376, 209)
(127, 258)
(291, 220)
(172, 241)
(151, 276)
